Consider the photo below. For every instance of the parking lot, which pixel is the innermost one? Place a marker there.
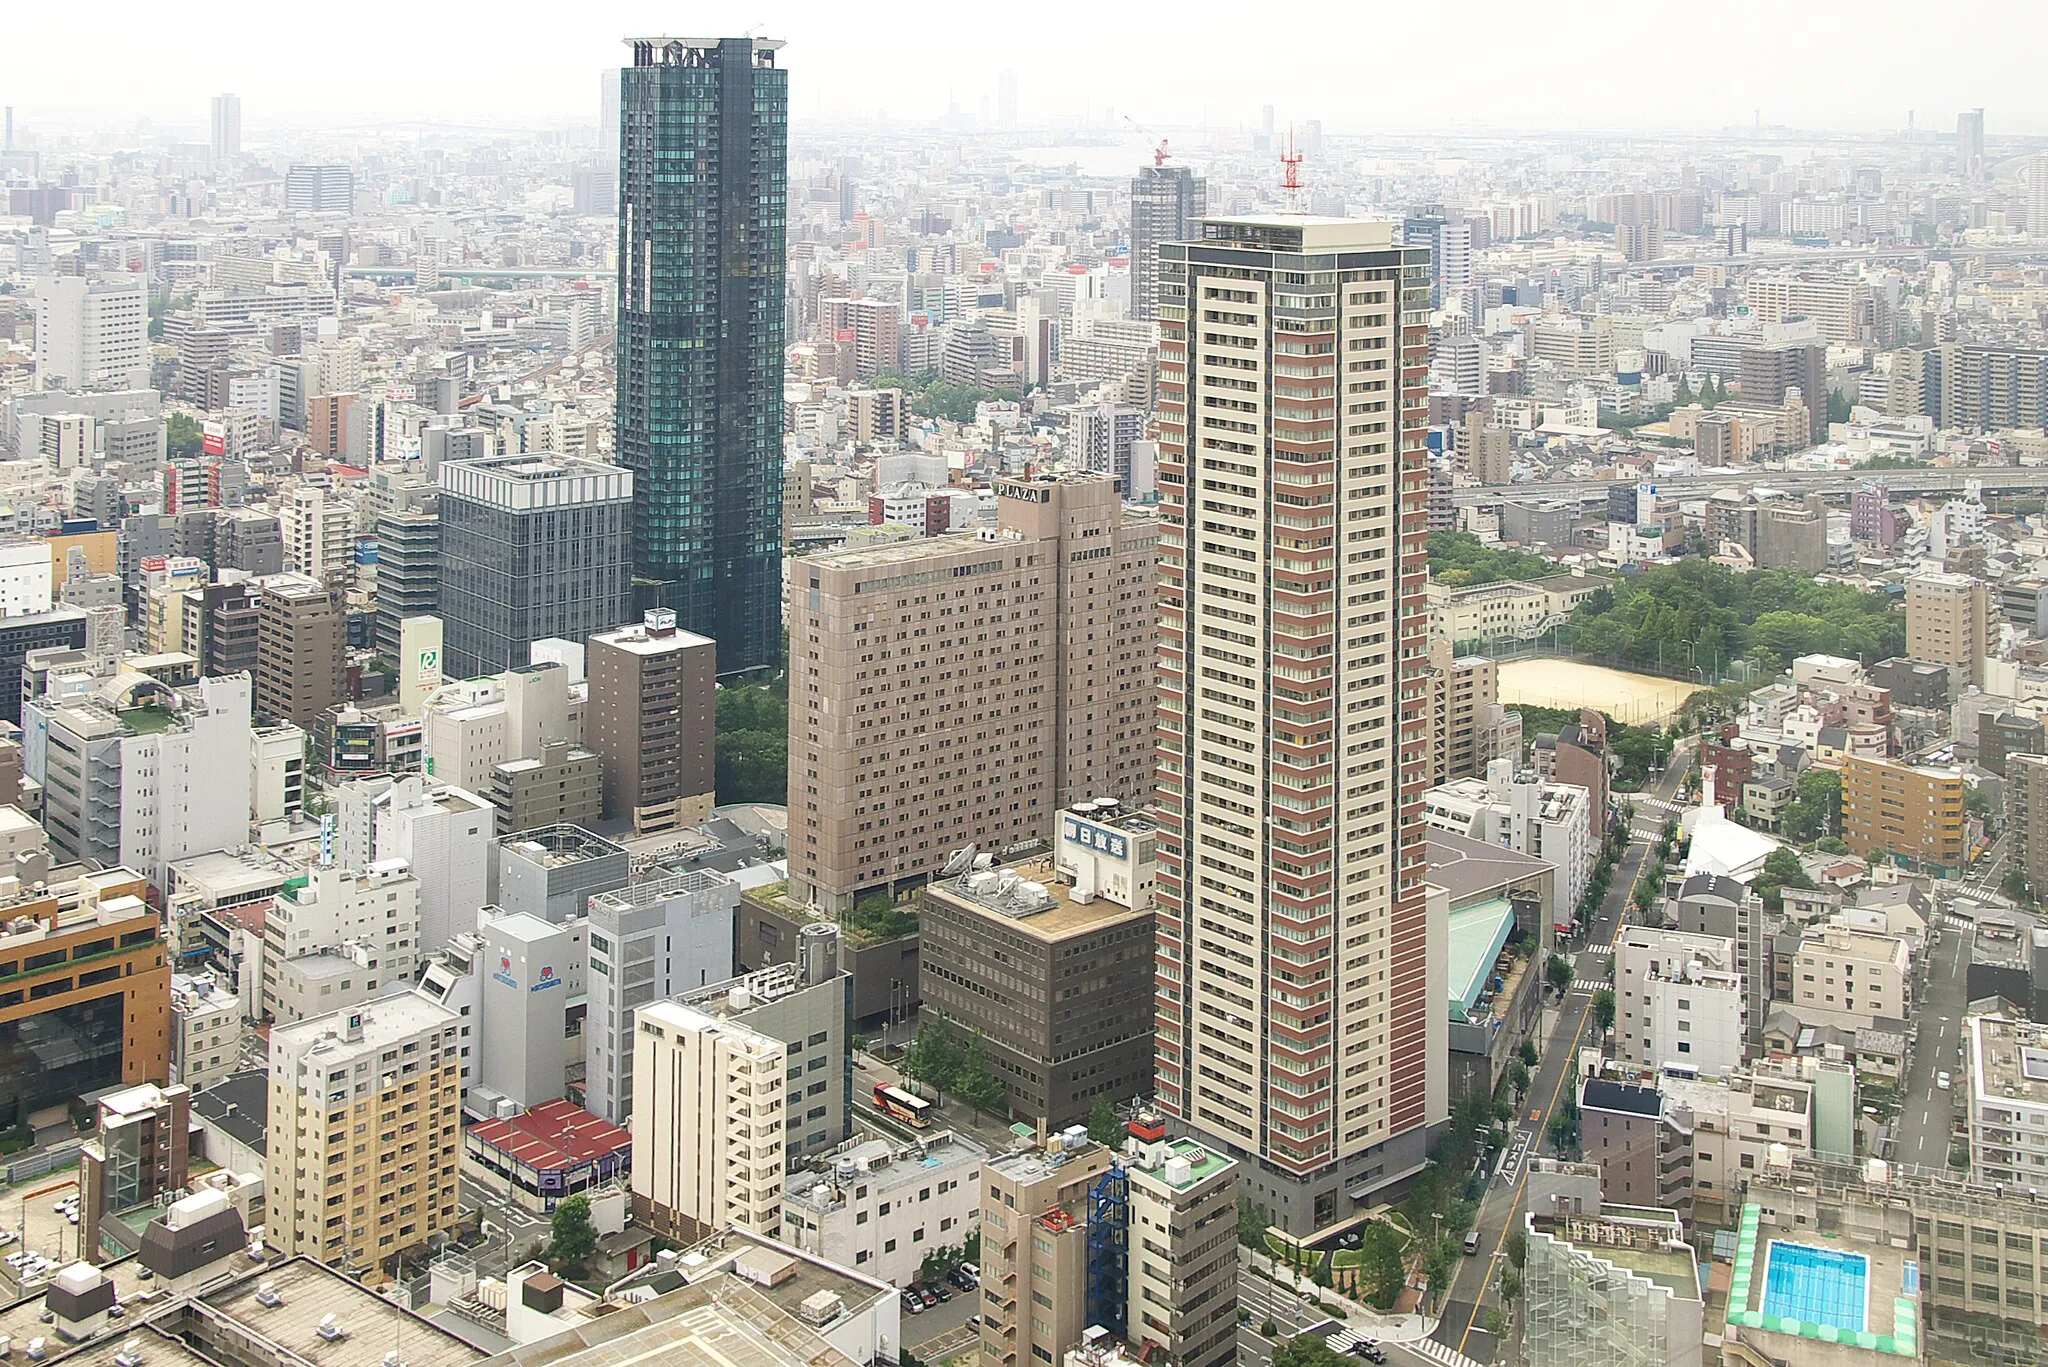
(942, 1331)
(28, 1213)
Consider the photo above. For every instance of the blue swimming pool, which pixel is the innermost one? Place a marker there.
(1817, 1285)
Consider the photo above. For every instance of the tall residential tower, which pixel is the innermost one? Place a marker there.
(1165, 202)
(703, 170)
(1301, 984)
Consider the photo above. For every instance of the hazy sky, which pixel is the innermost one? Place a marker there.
(1847, 64)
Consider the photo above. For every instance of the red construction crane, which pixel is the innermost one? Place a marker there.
(1159, 153)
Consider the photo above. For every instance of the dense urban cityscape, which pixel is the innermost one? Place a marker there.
(728, 732)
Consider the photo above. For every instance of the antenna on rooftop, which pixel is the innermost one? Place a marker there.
(1290, 180)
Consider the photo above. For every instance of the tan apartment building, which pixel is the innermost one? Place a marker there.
(651, 714)
(710, 1100)
(877, 415)
(1034, 1250)
(1948, 622)
(300, 631)
(563, 786)
(1510, 610)
(365, 1135)
(1850, 973)
(1181, 1269)
(1467, 725)
(1301, 983)
(1914, 814)
(954, 690)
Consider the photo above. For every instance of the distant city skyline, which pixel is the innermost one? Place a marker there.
(1568, 67)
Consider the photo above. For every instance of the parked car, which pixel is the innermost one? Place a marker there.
(913, 1302)
(938, 1289)
(974, 1321)
(1942, 1080)
(1471, 1242)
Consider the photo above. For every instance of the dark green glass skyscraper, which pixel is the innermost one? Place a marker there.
(703, 221)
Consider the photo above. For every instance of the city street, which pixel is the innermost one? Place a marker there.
(1290, 1315)
(1920, 1137)
(1501, 1206)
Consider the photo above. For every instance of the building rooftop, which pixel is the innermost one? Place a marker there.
(384, 1020)
(1029, 896)
(555, 1135)
(307, 1291)
(1464, 867)
(1181, 1164)
(1602, 1095)
(885, 1164)
(2008, 1060)
(239, 1106)
(1478, 934)
(555, 846)
(1634, 1240)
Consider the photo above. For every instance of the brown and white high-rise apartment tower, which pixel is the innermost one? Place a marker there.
(959, 689)
(1301, 985)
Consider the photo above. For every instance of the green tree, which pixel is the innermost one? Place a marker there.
(935, 1053)
(1437, 1265)
(1564, 1126)
(1977, 803)
(1102, 1122)
(1684, 395)
(1816, 805)
(182, 435)
(1307, 1350)
(1781, 870)
(572, 1237)
(1518, 1078)
(1517, 1249)
(1838, 406)
(1603, 1009)
(1510, 1283)
(1527, 1053)
(2016, 885)
(974, 1082)
(1271, 1330)
(1252, 1221)
(751, 745)
(1558, 972)
(1381, 1272)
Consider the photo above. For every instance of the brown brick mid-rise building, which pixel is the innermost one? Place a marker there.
(300, 631)
(1056, 980)
(954, 690)
(653, 692)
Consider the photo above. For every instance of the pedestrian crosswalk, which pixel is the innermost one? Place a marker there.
(1440, 1353)
(1588, 985)
(1958, 923)
(1597, 949)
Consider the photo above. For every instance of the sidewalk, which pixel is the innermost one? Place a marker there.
(1364, 1319)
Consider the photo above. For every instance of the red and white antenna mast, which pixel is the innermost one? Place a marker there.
(1290, 181)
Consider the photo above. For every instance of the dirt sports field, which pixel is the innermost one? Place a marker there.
(1632, 698)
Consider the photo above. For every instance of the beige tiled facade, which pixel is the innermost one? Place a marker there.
(956, 689)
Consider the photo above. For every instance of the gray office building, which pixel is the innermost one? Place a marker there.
(553, 872)
(1165, 202)
(532, 546)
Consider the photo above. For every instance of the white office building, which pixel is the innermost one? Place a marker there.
(442, 832)
(881, 1206)
(1678, 1001)
(339, 938)
(92, 333)
(663, 935)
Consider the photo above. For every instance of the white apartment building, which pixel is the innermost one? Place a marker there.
(665, 933)
(707, 1125)
(1518, 610)
(206, 1031)
(2008, 1094)
(883, 1205)
(1515, 809)
(339, 938)
(319, 533)
(277, 772)
(1735, 1124)
(140, 775)
(442, 832)
(26, 575)
(1678, 1001)
(387, 1076)
(1851, 971)
(92, 333)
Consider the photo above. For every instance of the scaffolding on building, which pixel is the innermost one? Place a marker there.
(1109, 1221)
